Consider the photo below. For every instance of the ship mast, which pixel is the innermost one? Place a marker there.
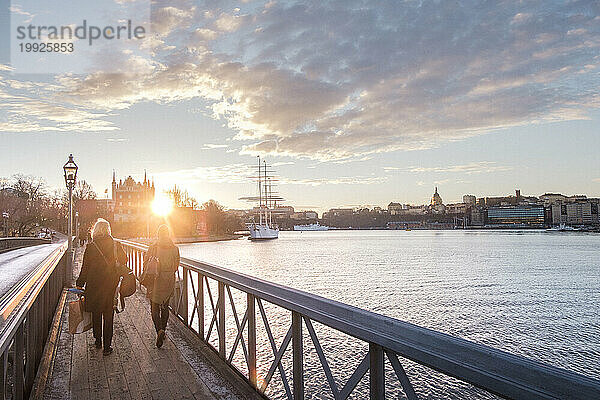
(259, 193)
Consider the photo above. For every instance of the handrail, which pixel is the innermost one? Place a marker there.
(12, 243)
(499, 372)
(27, 311)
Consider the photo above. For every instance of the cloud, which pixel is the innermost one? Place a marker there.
(166, 19)
(470, 168)
(344, 180)
(239, 173)
(17, 9)
(347, 78)
(209, 146)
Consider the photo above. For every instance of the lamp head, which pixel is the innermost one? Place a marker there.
(70, 169)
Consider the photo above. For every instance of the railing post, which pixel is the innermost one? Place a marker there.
(30, 353)
(3, 375)
(221, 325)
(251, 340)
(298, 367)
(18, 364)
(200, 304)
(183, 307)
(376, 372)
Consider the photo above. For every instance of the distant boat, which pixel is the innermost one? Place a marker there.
(562, 228)
(311, 227)
(265, 228)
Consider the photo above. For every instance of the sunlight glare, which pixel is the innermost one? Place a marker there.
(162, 206)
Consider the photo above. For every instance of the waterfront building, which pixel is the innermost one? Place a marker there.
(406, 209)
(478, 216)
(457, 208)
(305, 215)
(132, 200)
(575, 210)
(518, 215)
(579, 213)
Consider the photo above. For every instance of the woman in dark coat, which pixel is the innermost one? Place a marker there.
(168, 263)
(100, 277)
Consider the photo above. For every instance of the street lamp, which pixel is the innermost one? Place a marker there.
(5, 216)
(70, 169)
(77, 228)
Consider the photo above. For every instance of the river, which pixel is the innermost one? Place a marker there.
(532, 293)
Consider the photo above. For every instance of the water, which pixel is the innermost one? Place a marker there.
(533, 293)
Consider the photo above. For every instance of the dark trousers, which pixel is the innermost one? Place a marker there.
(103, 332)
(160, 315)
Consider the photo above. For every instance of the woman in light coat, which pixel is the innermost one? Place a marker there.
(168, 262)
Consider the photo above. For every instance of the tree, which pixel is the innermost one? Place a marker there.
(181, 198)
(83, 191)
(25, 199)
(219, 221)
(215, 216)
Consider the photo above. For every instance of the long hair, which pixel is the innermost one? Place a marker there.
(101, 228)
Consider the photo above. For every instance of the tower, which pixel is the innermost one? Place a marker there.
(114, 186)
(436, 199)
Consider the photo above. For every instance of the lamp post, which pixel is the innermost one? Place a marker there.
(5, 216)
(70, 169)
(77, 228)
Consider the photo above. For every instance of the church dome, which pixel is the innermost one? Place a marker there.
(436, 199)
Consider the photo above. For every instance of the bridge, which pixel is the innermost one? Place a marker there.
(236, 336)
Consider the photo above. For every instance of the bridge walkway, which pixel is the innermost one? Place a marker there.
(184, 368)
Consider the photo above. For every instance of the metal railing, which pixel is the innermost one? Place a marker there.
(498, 372)
(12, 243)
(26, 315)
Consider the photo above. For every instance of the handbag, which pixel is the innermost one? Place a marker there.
(150, 272)
(126, 286)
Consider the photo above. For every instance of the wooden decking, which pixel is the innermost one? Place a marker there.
(184, 368)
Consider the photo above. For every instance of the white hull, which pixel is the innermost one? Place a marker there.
(262, 232)
(311, 227)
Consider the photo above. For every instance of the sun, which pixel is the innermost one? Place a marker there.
(162, 206)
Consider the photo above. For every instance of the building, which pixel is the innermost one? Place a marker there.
(469, 199)
(518, 215)
(395, 208)
(406, 209)
(507, 200)
(436, 199)
(457, 208)
(304, 215)
(579, 213)
(338, 212)
(437, 205)
(132, 200)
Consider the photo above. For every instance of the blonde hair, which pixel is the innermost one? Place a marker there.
(163, 230)
(100, 228)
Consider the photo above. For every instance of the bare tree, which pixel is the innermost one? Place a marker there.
(181, 198)
(26, 203)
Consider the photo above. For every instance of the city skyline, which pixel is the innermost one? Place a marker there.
(339, 96)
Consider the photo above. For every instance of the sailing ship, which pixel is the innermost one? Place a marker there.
(265, 228)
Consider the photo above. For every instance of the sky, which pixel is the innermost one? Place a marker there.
(354, 103)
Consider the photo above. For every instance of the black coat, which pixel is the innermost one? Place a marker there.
(100, 279)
